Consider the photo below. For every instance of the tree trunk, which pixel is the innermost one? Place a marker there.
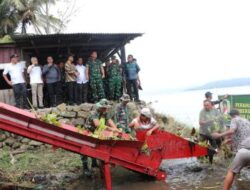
(23, 28)
(47, 28)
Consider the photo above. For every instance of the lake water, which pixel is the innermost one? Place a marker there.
(186, 105)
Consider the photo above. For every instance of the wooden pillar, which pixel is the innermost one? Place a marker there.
(123, 61)
(123, 55)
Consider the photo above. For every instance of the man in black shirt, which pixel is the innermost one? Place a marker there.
(209, 97)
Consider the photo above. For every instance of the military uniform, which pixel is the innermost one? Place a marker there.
(115, 81)
(122, 118)
(95, 79)
(96, 115)
(89, 163)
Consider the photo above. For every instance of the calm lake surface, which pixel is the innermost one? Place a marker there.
(186, 105)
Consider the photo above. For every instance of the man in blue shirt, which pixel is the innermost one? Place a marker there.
(52, 77)
(131, 70)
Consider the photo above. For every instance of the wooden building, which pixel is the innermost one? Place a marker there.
(59, 46)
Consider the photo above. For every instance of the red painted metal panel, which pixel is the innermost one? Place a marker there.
(172, 146)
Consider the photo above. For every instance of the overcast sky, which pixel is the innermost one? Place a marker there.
(186, 42)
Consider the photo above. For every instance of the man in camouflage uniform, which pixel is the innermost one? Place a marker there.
(96, 123)
(122, 115)
(114, 79)
(95, 74)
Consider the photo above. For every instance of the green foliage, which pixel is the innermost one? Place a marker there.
(51, 119)
(28, 12)
(6, 39)
(8, 18)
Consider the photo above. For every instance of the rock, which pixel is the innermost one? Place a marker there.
(13, 135)
(45, 110)
(10, 141)
(194, 168)
(16, 145)
(78, 121)
(2, 137)
(19, 138)
(35, 143)
(39, 178)
(69, 108)
(83, 114)
(59, 117)
(76, 108)
(25, 140)
(66, 121)
(43, 147)
(69, 114)
(86, 107)
(24, 147)
(41, 114)
(31, 147)
(62, 107)
(7, 134)
(66, 177)
(55, 111)
(48, 146)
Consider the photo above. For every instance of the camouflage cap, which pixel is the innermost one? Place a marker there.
(103, 103)
(125, 98)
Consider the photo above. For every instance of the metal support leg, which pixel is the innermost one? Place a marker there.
(107, 175)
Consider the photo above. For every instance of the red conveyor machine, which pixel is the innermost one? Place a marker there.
(162, 145)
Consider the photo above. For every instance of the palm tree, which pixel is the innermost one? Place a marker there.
(8, 18)
(36, 13)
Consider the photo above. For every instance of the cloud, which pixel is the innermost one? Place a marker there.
(186, 43)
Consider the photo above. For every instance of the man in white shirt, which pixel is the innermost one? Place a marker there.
(145, 122)
(81, 82)
(36, 82)
(17, 80)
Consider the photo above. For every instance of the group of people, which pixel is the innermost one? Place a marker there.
(101, 120)
(70, 82)
(213, 129)
(75, 83)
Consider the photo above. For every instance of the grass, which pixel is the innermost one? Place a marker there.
(40, 161)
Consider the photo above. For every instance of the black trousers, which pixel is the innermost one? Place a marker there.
(132, 89)
(61, 92)
(215, 143)
(81, 93)
(53, 93)
(20, 93)
(71, 87)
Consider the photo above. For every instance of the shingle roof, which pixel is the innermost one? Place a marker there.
(78, 43)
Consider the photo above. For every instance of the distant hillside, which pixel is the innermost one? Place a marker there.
(224, 84)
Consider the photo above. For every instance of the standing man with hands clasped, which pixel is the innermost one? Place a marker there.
(51, 73)
(17, 80)
(36, 82)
